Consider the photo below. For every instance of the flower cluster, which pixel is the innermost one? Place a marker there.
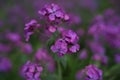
(91, 72)
(98, 52)
(54, 13)
(16, 39)
(66, 44)
(55, 16)
(31, 71)
(106, 27)
(5, 64)
(30, 28)
(61, 43)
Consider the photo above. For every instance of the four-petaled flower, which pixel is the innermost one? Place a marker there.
(60, 47)
(70, 36)
(31, 71)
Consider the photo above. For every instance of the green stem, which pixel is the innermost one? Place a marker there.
(59, 71)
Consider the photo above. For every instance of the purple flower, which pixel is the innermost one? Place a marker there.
(90, 72)
(67, 44)
(113, 30)
(97, 29)
(98, 19)
(43, 56)
(60, 29)
(52, 28)
(5, 64)
(93, 72)
(13, 37)
(60, 47)
(112, 36)
(54, 13)
(96, 48)
(101, 58)
(83, 54)
(117, 58)
(31, 71)
(30, 28)
(70, 36)
(106, 28)
(74, 48)
(26, 48)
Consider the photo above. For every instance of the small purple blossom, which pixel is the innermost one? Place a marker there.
(117, 58)
(31, 71)
(30, 28)
(26, 48)
(43, 56)
(54, 13)
(96, 48)
(60, 47)
(13, 37)
(52, 28)
(106, 28)
(101, 58)
(61, 29)
(70, 36)
(74, 48)
(97, 29)
(5, 64)
(91, 72)
(112, 36)
(83, 54)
